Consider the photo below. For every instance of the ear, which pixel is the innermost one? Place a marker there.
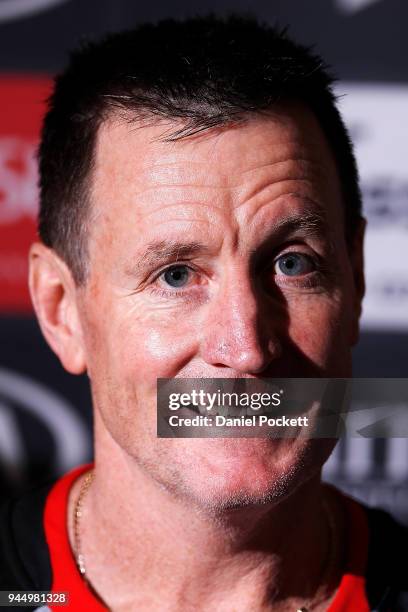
(357, 264)
(53, 293)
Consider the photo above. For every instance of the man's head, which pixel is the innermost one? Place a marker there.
(201, 217)
(196, 75)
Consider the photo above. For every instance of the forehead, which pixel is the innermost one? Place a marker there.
(138, 175)
(133, 147)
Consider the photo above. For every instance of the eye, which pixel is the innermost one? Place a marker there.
(294, 264)
(176, 276)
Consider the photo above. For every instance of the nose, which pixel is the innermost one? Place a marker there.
(239, 332)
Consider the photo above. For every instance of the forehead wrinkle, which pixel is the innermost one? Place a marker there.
(187, 173)
(183, 168)
(274, 190)
(172, 187)
(182, 174)
(187, 191)
(186, 205)
(287, 159)
(281, 173)
(231, 183)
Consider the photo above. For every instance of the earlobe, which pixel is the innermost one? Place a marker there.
(53, 295)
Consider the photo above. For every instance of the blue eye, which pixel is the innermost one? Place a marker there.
(294, 264)
(176, 276)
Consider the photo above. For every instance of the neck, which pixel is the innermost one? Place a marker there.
(134, 531)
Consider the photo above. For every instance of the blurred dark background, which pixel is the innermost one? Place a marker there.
(45, 414)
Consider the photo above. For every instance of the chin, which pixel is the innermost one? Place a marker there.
(215, 475)
(218, 497)
(224, 474)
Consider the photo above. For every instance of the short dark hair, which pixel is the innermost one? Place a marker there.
(205, 71)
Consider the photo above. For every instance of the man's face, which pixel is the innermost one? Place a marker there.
(220, 255)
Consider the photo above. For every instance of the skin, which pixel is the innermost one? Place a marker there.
(230, 504)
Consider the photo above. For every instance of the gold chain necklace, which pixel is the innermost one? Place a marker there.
(80, 559)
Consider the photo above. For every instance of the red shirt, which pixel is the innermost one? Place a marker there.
(350, 596)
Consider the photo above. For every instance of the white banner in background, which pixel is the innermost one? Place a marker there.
(377, 116)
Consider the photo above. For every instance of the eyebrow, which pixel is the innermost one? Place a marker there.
(312, 223)
(159, 252)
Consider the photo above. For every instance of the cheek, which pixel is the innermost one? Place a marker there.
(168, 346)
(320, 327)
(149, 347)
